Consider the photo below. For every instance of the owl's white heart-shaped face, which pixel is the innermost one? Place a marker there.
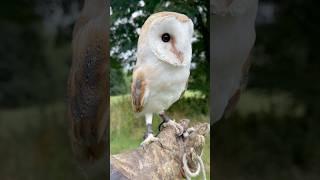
(167, 35)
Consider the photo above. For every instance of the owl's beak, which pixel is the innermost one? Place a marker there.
(176, 52)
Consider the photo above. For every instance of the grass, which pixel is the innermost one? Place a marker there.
(34, 144)
(126, 130)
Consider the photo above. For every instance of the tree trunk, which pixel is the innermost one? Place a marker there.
(161, 159)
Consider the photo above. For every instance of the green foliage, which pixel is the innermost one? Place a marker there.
(33, 70)
(21, 67)
(286, 56)
(118, 85)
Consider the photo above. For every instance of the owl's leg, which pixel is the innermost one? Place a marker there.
(148, 136)
(166, 121)
(164, 118)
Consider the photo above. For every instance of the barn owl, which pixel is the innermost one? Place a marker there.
(233, 37)
(162, 68)
(88, 83)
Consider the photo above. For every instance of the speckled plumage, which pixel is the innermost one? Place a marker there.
(88, 100)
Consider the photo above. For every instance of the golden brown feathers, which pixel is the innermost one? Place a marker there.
(138, 89)
(88, 92)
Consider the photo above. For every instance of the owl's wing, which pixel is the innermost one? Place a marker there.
(233, 39)
(88, 91)
(139, 90)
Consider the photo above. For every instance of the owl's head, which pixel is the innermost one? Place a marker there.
(167, 36)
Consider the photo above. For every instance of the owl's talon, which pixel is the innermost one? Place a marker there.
(164, 118)
(148, 140)
(179, 129)
(188, 132)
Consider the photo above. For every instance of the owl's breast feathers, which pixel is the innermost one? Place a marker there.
(138, 90)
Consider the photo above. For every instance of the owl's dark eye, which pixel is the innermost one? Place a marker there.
(165, 37)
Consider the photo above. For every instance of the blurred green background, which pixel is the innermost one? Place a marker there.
(272, 135)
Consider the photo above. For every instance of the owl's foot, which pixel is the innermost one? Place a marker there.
(149, 138)
(179, 129)
(188, 132)
(164, 118)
